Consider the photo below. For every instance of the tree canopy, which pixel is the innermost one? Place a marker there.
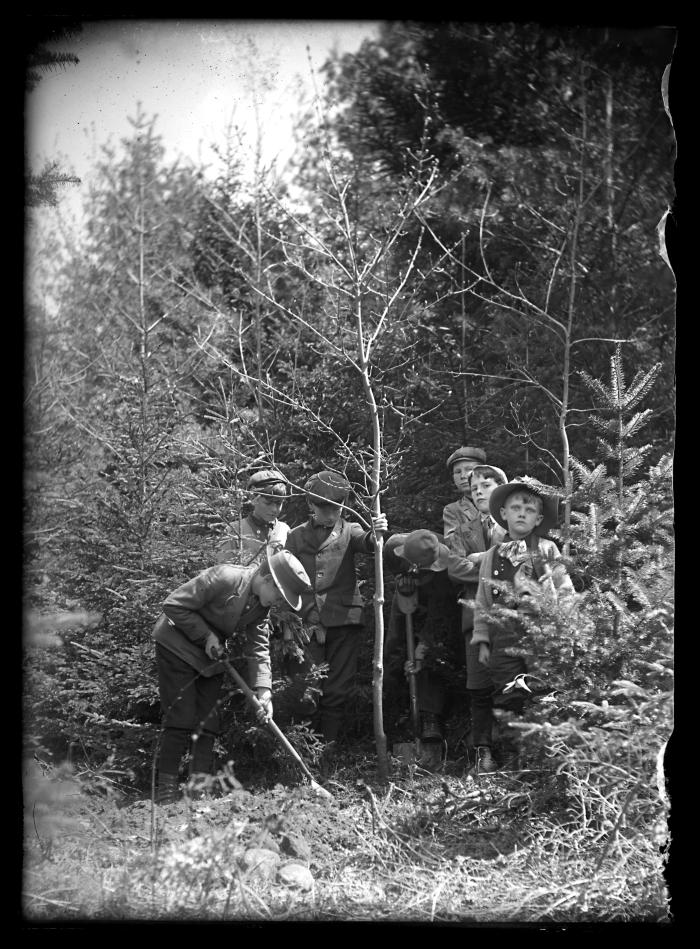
(463, 244)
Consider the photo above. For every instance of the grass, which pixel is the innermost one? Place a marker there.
(426, 848)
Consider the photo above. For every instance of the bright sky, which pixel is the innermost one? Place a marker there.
(194, 74)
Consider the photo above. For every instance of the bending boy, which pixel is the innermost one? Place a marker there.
(197, 619)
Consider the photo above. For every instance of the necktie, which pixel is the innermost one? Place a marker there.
(514, 550)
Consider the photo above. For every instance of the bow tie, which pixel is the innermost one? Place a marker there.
(514, 550)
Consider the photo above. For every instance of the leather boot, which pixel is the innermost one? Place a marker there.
(167, 789)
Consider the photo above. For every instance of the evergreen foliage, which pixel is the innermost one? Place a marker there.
(169, 364)
(40, 61)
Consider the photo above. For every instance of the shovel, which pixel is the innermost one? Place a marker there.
(276, 731)
(407, 603)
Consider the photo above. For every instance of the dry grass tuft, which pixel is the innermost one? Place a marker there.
(538, 846)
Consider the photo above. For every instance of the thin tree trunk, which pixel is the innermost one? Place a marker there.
(566, 370)
(462, 295)
(378, 655)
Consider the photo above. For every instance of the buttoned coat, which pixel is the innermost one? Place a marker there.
(469, 539)
(458, 515)
(215, 601)
(248, 546)
(331, 569)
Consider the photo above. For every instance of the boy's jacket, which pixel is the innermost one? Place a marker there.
(249, 548)
(544, 554)
(331, 568)
(216, 601)
(469, 539)
(458, 515)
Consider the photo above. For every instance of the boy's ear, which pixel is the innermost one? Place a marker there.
(539, 520)
(503, 514)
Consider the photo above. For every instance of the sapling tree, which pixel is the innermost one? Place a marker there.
(561, 255)
(347, 254)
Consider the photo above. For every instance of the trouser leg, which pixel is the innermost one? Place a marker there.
(208, 691)
(480, 691)
(504, 668)
(430, 689)
(341, 651)
(173, 744)
(189, 705)
(482, 716)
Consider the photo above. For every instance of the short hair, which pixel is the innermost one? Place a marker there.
(486, 471)
(526, 496)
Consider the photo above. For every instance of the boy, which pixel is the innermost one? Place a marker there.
(526, 563)
(268, 491)
(197, 619)
(469, 542)
(419, 560)
(460, 465)
(332, 610)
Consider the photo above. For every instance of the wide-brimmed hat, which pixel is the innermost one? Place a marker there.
(289, 576)
(550, 503)
(422, 548)
(327, 487)
(268, 481)
(476, 456)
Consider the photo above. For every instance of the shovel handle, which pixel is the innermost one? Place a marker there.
(412, 688)
(274, 728)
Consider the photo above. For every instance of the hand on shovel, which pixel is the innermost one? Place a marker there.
(257, 702)
(213, 647)
(263, 714)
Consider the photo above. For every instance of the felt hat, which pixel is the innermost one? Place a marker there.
(476, 456)
(423, 549)
(327, 487)
(268, 481)
(550, 504)
(289, 576)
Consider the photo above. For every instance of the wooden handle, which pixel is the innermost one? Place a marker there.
(412, 689)
(257, 705)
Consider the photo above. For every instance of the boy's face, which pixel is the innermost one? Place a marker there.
(267, 507)
(522, 513)
(482, 486)
(460, 475)
(267, 591)
(324, 515)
